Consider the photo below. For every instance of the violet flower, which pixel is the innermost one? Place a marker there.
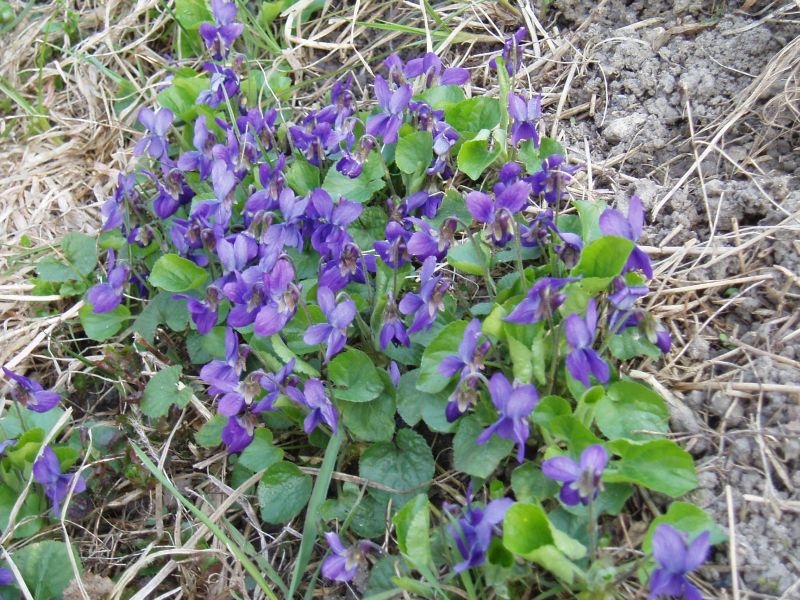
(569, 250)
(542, 301)
(613, 222)
(113, 215)
(551, 181)
(499, 213)
(625, 296)
(107, 296)
(515, 405)
(386, 124)
(282, 296)
(464, 395)
(275, 384)
(581, 479)
(474, 529)
(469, 359)
(394, 250)
(157, 124)
(426, 304)
(427, 241)
(204, 312)
(524, 114)
(343, 562)
(676, 558)
(224, 86)
(430, 65)
(334, 331)
(314, 397)
(6, 577)
(394, 374)
(200, 158)
(238, 433)
(393, 329)
(220, 37)
(582, 359)
(31, 394)
(47, 471)
(512, 52)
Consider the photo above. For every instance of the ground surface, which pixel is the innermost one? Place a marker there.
(691, 105)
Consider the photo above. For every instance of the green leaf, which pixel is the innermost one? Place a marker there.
(261, 453)
(181, 96)
(101, 326)
(11, 427)
(686, 517)
(46, 567)
(527, 532)
(283, 492)
(190, 13)
(444, 344)
(590, 212)
(173, 273)
(163, 308)
(660, 465)
(414, 152)
(453, 205)
(604, 257)
(475, 156)
(630, 343)
(302, 176)
(210, 434)
(28, 521)
(205, 348)
(521, 360)
(355, 377)
(161, 392)
(362, 188)
(53, 270)
(405, 465)
(472, 115)
(472, 459)
(410, 400)
(531, 485)
(549, 147)
(80, 251)
(371, 421)
(441, 97)
(464, 258)
(628, 409)
(412, 524)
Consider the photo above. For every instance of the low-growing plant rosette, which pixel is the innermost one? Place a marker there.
(395, 282)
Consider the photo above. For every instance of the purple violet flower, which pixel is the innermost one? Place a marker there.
(515, 405)
(238, 433)
(31, 394)
(569, 250)
(499, 213)
(430, 66)
(281, 295)
(275, 384)
(393, 329)
(524, 114)
(676, 558)
(343, 562)
(473, 531)
(6, 577)
(613, 222)
(157, 124)
(425, 304)
(47, 471)
(315, 398)
(551, 181)
(386, 123)
(469, 359)
(394, 250)
(107, 296)
(542, 301)
(394, 373)
(223, 87)
(220, 37)
(582, 359)
(512, 52)
(203, 312)
(334, 331)
(427, 241)
(200, 158)
(581, 479)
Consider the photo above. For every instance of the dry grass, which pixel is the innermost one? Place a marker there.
(52, 182)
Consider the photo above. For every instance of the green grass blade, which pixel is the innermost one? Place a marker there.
(212, 527)
(310, 529)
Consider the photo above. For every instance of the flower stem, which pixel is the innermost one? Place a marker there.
(518, 248)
